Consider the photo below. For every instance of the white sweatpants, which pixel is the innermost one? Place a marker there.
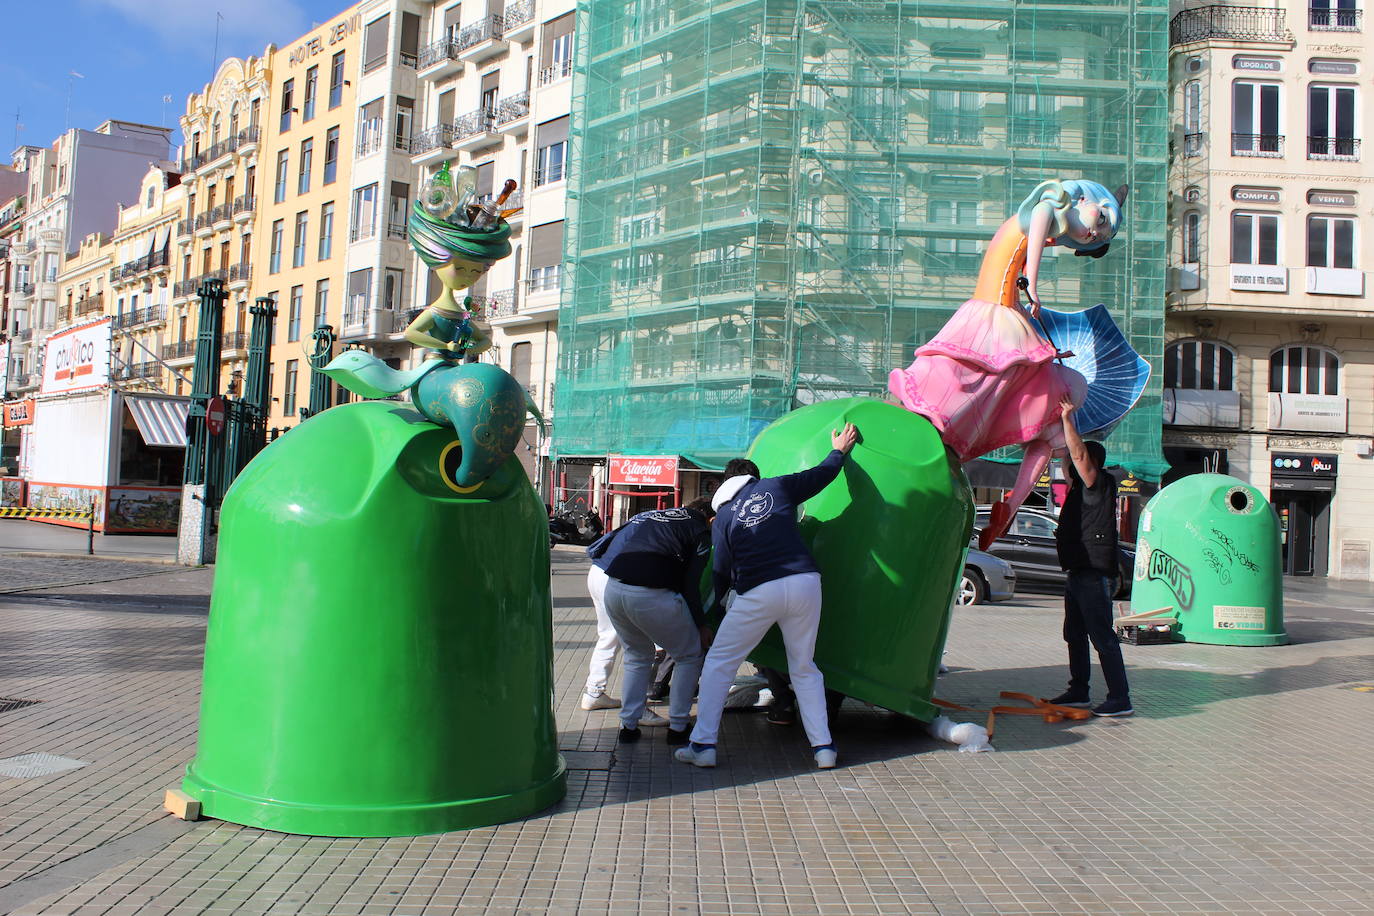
(794, 604)
(644, 617)
(607, 642)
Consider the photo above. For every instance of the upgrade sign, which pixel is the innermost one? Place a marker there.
(77, 359)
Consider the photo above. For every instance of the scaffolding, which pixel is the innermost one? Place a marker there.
(772, 202)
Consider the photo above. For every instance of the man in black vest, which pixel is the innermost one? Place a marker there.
(1086, 539)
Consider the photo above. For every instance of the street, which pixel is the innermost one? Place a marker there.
(1241, 785)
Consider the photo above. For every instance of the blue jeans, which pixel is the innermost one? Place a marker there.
(1088, 618)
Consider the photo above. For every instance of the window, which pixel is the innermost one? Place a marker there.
(398, 211)
(303, 173)
(326, 231)
(405, 123)
(551, 162)
(250, 183)
(234, 119)
(298, 246)
(393, 284)
(283, 167)
(375, 43)
(288, 400)
(953, 255)
(522, 362)
(1034, 120)
(363, 222)
(956, 117)
(1304, 370)
(1200, 365)
(1192, 231)
(1255, 119)
(1254, 238)
(274, 259)
(336, 80)
(556, 54)
(370, 127)
(546, 256)
(1333, 16)
(148, 202)
(254, 113)
(321, 303)
(1331, 123)
(1330, 242)
(245, 249)
(1192, 106)
(359, 293)
(287, 89)
(312, 82)
(331, 155)
(293, 317)
(872, 222)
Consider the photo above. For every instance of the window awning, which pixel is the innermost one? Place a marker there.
(161, 421)
(160, 239)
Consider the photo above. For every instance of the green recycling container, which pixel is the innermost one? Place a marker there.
(889, 536)
(1208, 547)
(379, 656)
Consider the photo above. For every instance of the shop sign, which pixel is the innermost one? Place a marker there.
(316, 44)
(1330, 199)
(1297, 464)
(1255, 195)
(1257, 64)
(1311, 413)
(19, 413)
(1263, 278)
(1334, 67)
(642, 471)
(77, 359)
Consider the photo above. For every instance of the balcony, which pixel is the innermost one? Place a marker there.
(431, 144)
(148, 369)
(559, 70)
(185, 228)
(513, 114)
(240, 274)
(518, 21)
(221, 217)
(149, 315)
(23, 289)
(439, 60)
(1333, 149)
(184, 289)
(90, 304)
(481, 40)
(182, 349)
(243, 208)
(1192, 145)
(204, 225)
(1261, 145)
(1325, 19)
(248, 141)
(474, 131)
(235, 343)
(1229, 23)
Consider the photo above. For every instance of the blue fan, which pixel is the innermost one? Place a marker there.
(1116, 373)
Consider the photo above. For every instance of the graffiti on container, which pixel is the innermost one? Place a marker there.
(1226, 557)
(1175, 575)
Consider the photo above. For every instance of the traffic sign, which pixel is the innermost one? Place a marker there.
(214, 415)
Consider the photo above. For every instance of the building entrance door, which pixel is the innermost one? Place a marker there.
(1299, 512)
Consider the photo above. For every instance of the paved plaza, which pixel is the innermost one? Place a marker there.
(1242, 785)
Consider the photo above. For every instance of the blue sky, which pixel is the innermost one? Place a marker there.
(131, 53)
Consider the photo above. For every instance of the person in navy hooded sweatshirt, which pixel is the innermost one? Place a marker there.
(760, 556)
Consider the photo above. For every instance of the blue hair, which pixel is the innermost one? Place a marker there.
(1061, 196)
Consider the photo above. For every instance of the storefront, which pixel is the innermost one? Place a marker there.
(1302, 486)
(93, 445)
(637, 484)
(18, 423)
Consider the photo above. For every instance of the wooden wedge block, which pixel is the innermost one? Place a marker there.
(181, 805)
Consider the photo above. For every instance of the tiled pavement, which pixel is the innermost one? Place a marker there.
(1242, 785)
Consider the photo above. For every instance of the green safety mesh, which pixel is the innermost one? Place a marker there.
(772, 202)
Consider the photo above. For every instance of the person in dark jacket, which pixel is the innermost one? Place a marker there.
(1087, 544)
(653, 566)
(760, 556)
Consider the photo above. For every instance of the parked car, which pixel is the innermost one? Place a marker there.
(986, 578)
(1029, 547)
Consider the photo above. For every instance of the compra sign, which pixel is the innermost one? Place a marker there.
(77, 359)
(658, 470)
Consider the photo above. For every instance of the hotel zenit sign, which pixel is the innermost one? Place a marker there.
(327, 38)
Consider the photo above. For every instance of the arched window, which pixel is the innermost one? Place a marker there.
(234, 119)
(1304, 370)
(1192, 237)
(149, 203)
(214, 130)
(1203, 365)
(1192, 107)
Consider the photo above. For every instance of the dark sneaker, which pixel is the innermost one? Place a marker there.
(1114, 708)
(677, 737)
(1069, 698)
(629, 735)
(781, 715)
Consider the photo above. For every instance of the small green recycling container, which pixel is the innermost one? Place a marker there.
(889, 535)
(1208, 547)
(379, 654)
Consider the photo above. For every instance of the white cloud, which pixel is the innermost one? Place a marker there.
(248, 25)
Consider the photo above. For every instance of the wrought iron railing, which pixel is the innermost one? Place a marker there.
(1233, 23)
(484, 29)
(240, 271)
(179, 350)
(431, 138)
(560, 69)
(1269, 145)
(474, 122)
(396, 230)
(245, 203)
(1346, 149)
(1192, 144)
(185, 227)
(93, 303)
(136, 317)
(1325, 19)
(512, 107)
(237, 340)
(438, 52)
(517, 14)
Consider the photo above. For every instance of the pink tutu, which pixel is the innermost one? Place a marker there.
(986, 380)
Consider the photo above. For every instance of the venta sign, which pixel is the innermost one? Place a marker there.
(77, 359)
(660, 470)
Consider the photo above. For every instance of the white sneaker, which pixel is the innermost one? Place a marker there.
(599, 701)
(652, 719)
(826, 757)
(702, 758)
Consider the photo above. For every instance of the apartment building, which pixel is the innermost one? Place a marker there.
(299, 254)
(1269, 360)
(222, 130)
(494, 93)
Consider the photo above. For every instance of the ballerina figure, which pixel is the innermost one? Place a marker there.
(989, 379)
